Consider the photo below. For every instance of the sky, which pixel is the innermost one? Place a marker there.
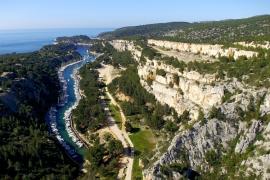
(38, 14)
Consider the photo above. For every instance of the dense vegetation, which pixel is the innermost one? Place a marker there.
(111, 56)
(74, 39)
(254, 28)
(144, 103)
(144, 30)
(27, 151)
(89, 114)
(104, 157)
(249, 29)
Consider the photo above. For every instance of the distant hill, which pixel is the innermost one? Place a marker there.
(144, 30)
(74, 39)
(253, 28)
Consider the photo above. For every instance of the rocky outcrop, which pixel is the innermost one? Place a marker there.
(191, 91)
(204, 49)
(265, 107)
(264, 45)
(259, 165)
(248, 137)
(124, 45)
(193, 145)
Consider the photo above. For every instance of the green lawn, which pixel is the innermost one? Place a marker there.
(144, 142)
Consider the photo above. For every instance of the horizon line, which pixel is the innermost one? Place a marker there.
(132, 25)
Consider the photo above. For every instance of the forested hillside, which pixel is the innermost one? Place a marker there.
(144, 30)
(27, 151)
(254, 28)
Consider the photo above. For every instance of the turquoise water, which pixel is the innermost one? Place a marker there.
(30, 40)
(67, 74)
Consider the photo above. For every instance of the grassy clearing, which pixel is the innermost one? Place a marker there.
(144, 142)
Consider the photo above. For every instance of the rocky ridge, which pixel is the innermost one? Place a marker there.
(194, 92)
(264, 45)
(205, 49)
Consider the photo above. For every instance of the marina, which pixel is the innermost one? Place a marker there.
(59, 116)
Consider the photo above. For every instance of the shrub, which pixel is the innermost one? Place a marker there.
(161, 72)
(171, 126)
(176, 79)
(129, 127)
(184, 118)
(212, 158)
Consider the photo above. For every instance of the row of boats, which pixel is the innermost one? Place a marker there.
(62, 101)
(67, 114)
(52, 115)
(53, 127)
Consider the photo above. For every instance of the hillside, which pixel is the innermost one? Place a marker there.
(257, 28)
(149, 30)
(27, 150)
(193, 110)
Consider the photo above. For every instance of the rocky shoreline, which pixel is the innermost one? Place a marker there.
(52, 114)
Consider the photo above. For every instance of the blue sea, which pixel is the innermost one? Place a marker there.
(20, 41)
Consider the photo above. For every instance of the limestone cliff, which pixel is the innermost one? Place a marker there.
(181, 90)
(205, 49)
(234, 114)
(124, 45)
(264, 45)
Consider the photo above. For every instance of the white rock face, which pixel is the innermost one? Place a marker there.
(123, 45)
(248, 137)
(265, 45)
(259, 165)
(192, 92)
(205, 49)
(194, 143)
(265, 107)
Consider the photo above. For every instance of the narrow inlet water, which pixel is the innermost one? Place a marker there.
(56, 117)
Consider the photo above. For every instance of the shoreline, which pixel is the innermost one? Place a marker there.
(68, 114)
(52, 114)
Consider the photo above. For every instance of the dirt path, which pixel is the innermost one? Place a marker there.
(127, 143)
(108, 73)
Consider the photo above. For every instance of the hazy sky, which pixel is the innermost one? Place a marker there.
(24, 14)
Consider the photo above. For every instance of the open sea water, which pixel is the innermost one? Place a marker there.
(20, 41)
